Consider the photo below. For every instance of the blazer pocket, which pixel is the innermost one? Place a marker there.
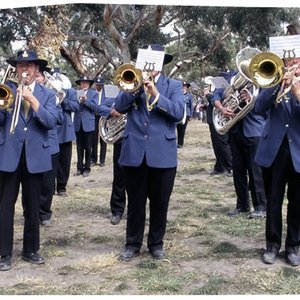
(45, 144)
(170, 136)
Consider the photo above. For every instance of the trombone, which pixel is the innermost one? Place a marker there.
(6, 94)
(267, 70)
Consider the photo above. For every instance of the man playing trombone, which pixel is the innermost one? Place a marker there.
(278, 151)
(24, 156)
(149, 154)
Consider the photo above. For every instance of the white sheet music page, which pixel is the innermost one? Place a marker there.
(148, 60)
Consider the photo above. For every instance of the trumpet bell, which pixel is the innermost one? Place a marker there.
(128, 78)
(266, 69)
(6, 96)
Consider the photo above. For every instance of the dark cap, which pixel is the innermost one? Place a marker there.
(27, 56)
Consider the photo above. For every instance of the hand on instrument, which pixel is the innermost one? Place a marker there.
(227, 112)
(114, 113)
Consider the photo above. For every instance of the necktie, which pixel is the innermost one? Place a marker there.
(26, 105)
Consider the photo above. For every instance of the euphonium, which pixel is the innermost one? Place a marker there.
(6, 94)
(111, 129)
(242, 83)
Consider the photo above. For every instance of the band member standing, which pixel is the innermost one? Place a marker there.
(84, 122)
(118, 194)
(25, 156)
(48, 185)
(219, 142)
(278, 154)
(149, 157)
(181, 126)
(244, 137)
(66, 135)
(99, 84)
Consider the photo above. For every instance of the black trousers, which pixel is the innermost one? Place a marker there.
(277, 177)
(118, 194)
(64, 166)
(221, 150)
(94, 158)
(181, 128)
(48, 189)
(84, 142)
(31, 192)
(247, 175)
(156, 184)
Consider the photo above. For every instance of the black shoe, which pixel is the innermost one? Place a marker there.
(33, 257)
(102, 164)
(269, 257)
(62, 193)
(229, 173)
(85, 173)
(179, 146)
(46, 223)
(115, 220)
(236, 211)
(293, 259)
(77, 173)
(257, 214)
(158, 254)
(214, 172)
(128, 254)
(5, 263)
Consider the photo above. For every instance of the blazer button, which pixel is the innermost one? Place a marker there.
(287, 125)
(25, 128)
(145, 136)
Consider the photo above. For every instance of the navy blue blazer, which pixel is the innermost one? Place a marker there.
(188, 99)
(31, 133)
(66, 131)
(86, 114)
(151, 135)
(283, 121)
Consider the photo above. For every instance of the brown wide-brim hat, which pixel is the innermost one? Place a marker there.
(84, 78)
(27, 56)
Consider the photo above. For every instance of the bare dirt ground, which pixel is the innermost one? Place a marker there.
(209, 253)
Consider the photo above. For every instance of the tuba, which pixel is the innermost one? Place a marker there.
(242, 82)
(6, 94)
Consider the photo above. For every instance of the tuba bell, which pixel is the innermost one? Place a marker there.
(242, 82)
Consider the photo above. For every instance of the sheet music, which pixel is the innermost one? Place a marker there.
(148, 59)
(219, 82)
(279, 44)
(111, 91)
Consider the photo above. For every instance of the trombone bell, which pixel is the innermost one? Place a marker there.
(6, 97)
(266, 69)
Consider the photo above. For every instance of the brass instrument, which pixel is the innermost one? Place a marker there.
(128, 79)
(242, 83)
(58, 82)
(267, 70)
(6, 94)
(18, 102)
(112, 129)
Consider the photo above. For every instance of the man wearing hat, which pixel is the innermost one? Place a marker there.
(278, 152)
(181, 126)
(84, 122)
(149, 153)
(99, 84)
(66, 134)
(25, 156)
